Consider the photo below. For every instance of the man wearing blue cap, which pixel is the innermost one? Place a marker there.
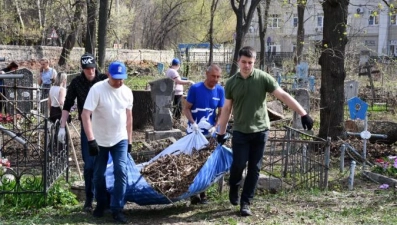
(110, 131)
(173, 74)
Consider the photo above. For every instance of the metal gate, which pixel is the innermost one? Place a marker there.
(28, 142)
(297, 159)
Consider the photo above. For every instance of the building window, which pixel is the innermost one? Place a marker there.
(274, 20)
(393, 19)
(295, 21)
(373, 18)
(370, 43)
(320, 20)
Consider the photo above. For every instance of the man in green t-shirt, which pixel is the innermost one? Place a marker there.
(245, 93)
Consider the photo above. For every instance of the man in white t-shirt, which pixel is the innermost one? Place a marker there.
(173, 74)
(110, 131)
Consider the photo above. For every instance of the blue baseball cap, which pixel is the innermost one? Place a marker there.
(175, 62)
(117, 70)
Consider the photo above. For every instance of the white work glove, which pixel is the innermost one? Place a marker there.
(61, 135)
(203, 124)
(195, 127)
(212, 131)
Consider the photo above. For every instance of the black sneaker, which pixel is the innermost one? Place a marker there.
(204, 201)
(87, 207)
(98, 212)
(245, 210)
(233, 195)
(194, 200)
(119, 217)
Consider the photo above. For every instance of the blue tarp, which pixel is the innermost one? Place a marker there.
(140, 191)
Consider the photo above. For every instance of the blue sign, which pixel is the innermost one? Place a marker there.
(357, 108)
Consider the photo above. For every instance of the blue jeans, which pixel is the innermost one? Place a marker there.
(119, 156)
(88, 168)
(247, 148)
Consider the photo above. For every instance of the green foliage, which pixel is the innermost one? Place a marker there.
(58, 195)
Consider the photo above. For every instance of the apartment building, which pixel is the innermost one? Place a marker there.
(372, 27)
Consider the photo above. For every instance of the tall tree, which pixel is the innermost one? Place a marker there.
(333, 73)
(244, 11)
(300, 37)
(214, 5)
(102, 28)
(262, 19)
(74, 28)
(90, 37)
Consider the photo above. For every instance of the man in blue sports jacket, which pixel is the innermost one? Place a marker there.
(203, 107)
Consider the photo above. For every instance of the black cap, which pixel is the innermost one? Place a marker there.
(88, 61)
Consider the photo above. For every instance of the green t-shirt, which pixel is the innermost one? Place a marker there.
(249, 100)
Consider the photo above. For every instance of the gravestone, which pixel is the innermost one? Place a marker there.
(312, 83)
(302, 74)
(277, 73)
(351, 89)
(22, 98)
(162, 93)
(303, 97)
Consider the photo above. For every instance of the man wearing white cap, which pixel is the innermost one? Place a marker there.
(110, 131)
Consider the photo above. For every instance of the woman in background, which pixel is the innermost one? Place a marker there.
(56, 97)
(47, 75)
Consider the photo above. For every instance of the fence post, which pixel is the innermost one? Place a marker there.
(351, 176)
(327, 161)
(342, 158)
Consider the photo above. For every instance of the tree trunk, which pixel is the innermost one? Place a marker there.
(333, 73)
(300, 37)
(211, 31)
(71, 39)
(102, 28)
(19, 15)
(262, 32)
(244, 13)
(90, 37)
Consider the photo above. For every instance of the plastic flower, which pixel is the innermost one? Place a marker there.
(384, 186)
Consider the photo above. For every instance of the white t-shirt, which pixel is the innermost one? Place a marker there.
(54, 95)
(173, 74)
(108, 106)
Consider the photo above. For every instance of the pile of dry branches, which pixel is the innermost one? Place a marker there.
(171, 175)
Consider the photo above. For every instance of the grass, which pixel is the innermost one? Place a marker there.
(366, 204)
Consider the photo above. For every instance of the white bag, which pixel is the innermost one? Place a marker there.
(186, 144)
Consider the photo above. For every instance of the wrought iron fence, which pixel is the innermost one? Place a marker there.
(297, 159)
(32, 158)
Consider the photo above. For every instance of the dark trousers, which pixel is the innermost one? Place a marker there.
(88, 168)
(247, 148)
(177, 106)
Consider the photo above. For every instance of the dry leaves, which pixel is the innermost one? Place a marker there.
(171, 175)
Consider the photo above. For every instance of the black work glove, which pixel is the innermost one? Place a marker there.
(93, 148)
(221, 138)
(307, 122)
(129, 148)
